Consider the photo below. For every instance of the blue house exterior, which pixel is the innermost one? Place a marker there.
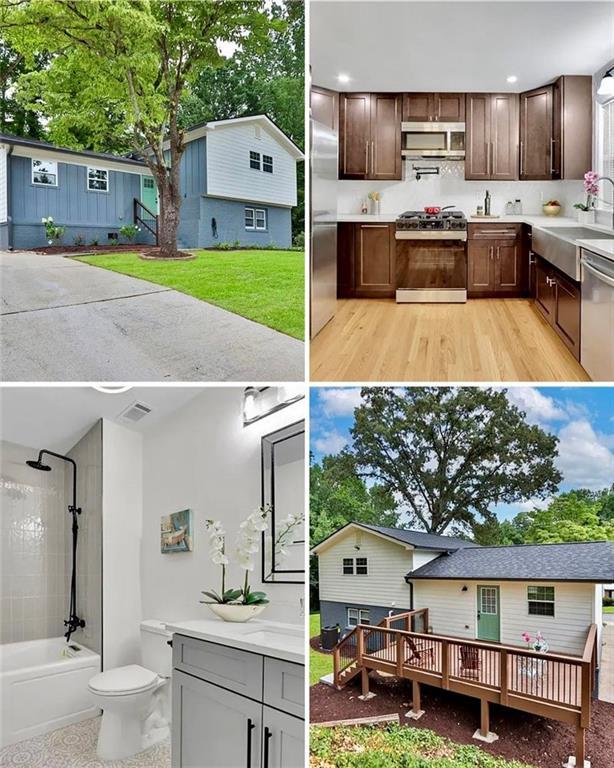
(238, 184)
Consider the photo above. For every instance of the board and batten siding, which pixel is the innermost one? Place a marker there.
(384, 584)
(3, 183)
(454, 612)
(228, 170)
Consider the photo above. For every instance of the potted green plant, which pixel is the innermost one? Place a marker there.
(53, 231)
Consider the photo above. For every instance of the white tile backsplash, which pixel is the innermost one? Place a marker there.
(450, 188)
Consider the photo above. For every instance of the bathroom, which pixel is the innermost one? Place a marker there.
(156, 481)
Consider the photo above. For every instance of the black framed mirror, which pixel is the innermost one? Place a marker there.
(283, 489)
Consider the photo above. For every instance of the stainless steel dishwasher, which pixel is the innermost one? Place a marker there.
(597, 348)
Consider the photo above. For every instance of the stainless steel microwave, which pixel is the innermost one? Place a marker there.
(445, 141)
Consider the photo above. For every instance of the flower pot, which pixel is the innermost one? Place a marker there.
(236, 613)
(551, 210)
(586, 217)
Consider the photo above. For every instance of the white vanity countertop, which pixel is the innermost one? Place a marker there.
(602, 247)
(270, 638)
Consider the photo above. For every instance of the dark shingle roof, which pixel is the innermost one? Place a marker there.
(421, 539)
(7, 138)
(582, 561)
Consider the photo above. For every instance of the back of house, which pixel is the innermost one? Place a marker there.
(237, 177)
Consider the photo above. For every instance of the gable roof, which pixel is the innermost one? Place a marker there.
(413, 539)
(591, 561)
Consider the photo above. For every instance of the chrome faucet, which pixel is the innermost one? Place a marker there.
(607, 178)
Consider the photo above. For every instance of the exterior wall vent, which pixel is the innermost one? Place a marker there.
(135, 412)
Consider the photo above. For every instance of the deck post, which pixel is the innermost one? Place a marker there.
(364, 684)
(415, 713)
(400, 654)
(445, 665)
(503, 682)
(484, 733)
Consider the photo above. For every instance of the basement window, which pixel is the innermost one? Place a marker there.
(97, 180)
(348, 566)
(44, 172)
(254, 160)
(541, 601)
(356, 616)
(255, 218)
(267, 163)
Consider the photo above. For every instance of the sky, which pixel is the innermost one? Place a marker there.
(581, 417)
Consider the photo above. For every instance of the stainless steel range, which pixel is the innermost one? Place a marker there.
(431, 257)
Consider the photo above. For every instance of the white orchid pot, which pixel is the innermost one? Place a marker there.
(236, 612)
(586, 217)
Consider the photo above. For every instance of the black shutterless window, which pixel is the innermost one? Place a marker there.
(348, 566)
(254, 160)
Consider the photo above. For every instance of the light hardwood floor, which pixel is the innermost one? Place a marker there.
(482, 340)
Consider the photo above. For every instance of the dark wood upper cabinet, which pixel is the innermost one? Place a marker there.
(434, 107)
(370, 136)
(491, 136)
(536, 134)
(354, 135)
(572, 126)
(325, 107)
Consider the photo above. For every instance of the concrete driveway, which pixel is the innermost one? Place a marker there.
(62, 320)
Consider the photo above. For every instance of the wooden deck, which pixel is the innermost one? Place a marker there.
(550, 685)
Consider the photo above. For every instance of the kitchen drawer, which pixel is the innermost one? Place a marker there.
(284, 686)
(230, 668)
(493, 231)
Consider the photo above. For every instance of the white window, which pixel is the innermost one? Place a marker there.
(357, 616)
(267, 163)
(44, 172)
(260, 218)
(605, 199)
(255, 218)
(541, 601)
(98, 179)
(254, 160)
(250, 218)
(348, 566)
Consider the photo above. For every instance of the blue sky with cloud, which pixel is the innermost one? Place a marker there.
(581, 417)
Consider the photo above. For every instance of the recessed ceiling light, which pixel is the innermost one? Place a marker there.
(512, 79)
(343, 78)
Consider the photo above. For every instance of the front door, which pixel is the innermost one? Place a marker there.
(149, 193)
(488, 621)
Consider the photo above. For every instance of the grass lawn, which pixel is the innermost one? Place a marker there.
(608, 608)
(320, 664)
(265, 286)
(395, 746)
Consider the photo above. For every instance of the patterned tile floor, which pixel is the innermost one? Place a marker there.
(75, 747)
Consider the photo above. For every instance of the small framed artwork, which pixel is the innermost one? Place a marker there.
(176, 532)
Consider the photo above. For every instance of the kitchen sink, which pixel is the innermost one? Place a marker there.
(580, 233)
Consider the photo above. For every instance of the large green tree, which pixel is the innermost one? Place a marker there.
(448, 454)
(119, 69)
(14, 117)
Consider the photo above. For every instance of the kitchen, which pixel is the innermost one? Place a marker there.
(462, 229)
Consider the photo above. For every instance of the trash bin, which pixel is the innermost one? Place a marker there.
(329, 637)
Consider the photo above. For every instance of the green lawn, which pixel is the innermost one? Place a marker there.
(395, 746)
(608, 608)
(320, 664)
(265, 286)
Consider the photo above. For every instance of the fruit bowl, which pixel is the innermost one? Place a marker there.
(551, 208)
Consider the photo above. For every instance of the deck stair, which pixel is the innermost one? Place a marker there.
(551, 685)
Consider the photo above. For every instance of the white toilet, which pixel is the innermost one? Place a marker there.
(135, 700)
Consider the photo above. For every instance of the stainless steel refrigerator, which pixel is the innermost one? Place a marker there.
(324, 149)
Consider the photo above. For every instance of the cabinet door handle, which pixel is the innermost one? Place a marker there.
(267, 737)
(250, 728)
(490, 251)
(487, 146)
(373, 158)
(552, 168)
(366, 158)
(521, 158)
(492, 158)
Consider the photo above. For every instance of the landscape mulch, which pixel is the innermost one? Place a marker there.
(86, 249)
(528, 738)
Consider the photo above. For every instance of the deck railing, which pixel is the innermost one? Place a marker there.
(551, 685)
(141, 215)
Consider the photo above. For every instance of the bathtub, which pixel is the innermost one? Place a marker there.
(43, 686)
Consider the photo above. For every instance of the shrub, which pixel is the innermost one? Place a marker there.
(53, 231)
(608, 602)
(94, 241)
(114, 242)
(79, 240)
(129, 231)
(223, 246)
(236, 244)
(299, 240)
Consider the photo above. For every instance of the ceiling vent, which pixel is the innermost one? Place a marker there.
(135, 412)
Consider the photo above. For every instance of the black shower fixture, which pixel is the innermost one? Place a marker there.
(74, 622)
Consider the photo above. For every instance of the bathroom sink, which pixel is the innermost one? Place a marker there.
(273, 638)
(580, 233)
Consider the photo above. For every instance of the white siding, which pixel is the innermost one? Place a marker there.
(228, 171)
(453, 612)
(384, 584)
(424, 556)
(3, 184)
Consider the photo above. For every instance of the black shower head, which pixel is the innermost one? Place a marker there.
(39, 465)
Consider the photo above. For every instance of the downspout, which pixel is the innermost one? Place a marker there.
(9, 218)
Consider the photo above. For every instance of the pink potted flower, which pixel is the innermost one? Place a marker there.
(586, 211)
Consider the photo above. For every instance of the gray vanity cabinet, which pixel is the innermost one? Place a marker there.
(234, 708)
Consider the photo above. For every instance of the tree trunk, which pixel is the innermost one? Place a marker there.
(170, 206)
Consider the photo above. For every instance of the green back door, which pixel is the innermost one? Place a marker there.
(488, 614)
(149, 193)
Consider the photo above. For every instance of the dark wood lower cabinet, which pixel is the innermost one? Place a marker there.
(558, 298)
(496, 268)
(366, 260)
(480, 268)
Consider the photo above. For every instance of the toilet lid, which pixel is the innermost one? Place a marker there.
(131, 678)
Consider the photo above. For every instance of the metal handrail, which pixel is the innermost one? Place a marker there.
(139, 220)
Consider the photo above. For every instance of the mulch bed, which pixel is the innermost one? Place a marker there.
(314, 642)
(534, 740)
(54, 249)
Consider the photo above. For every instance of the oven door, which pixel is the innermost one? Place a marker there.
(431, 271)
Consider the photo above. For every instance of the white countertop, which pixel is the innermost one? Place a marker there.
(602, 247)
(270, 638)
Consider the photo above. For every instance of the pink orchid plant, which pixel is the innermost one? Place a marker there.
(591, 189)
(539, 644)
